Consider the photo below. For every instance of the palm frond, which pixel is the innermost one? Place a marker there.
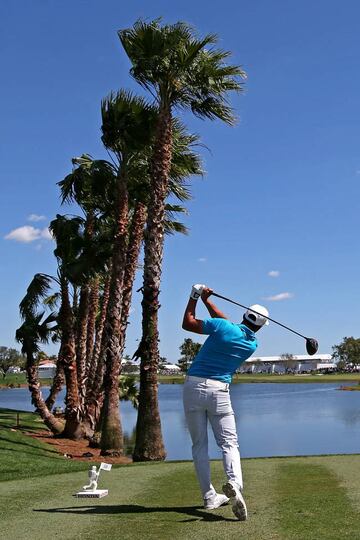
(171, 226)
(182, 70)
(128, 122)
(52, 300)
(36, 292)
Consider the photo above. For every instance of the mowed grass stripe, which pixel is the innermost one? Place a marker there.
(36, 506)
(152, 501)
(312, 504)
(170, 506)
(288, 499)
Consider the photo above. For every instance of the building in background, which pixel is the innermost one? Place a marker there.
(300, 363)
(47, 369)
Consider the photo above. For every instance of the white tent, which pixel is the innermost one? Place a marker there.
(171, 367)
(47, 370)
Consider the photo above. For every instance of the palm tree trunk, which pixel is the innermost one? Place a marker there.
(149, 442)
(73, 428)
(81, 340)
(56, 386)
(111, 436)
(93, 308)
(96, 369)
(136, 236)
(75, 303)
(53, 423)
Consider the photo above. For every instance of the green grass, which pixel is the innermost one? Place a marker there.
(20, 379)
(302, 498)
(288, 499)
(319, 378)
(23, 456)
(273, 378)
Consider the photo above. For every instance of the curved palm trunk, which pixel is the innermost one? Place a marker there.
(56, 386)
(136, 235)
(149, 442)
(53, 423)
(111, 436)
(73, 428)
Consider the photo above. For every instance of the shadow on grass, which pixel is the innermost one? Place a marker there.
(195, 512)
(27, 444)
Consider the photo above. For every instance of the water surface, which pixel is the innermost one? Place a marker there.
(272, 419)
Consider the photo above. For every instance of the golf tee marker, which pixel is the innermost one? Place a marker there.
(90, 491)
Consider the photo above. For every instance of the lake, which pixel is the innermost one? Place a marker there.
(272, 419)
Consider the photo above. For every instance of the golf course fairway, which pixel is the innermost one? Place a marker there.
(296, 498)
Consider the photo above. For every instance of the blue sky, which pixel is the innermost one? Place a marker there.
(281, 192)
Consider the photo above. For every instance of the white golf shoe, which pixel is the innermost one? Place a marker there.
(236, 500)
(215, 502)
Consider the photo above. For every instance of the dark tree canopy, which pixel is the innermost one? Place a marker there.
(348, 351)
(189, 350)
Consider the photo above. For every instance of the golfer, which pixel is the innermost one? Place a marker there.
(206, 393)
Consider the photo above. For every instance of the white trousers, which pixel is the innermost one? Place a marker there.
(209, 400)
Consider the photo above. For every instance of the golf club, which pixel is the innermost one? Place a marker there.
(311, 343)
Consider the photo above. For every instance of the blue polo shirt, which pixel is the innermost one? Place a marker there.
(227, 346)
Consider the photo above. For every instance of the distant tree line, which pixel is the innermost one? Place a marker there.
(10, 358)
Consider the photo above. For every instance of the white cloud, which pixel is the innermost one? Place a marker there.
(202, 259)
(280, 296)
(24, 234)
(274, 273)
(36, 217)
(27, 234)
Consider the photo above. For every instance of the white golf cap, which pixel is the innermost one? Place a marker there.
(257, 315)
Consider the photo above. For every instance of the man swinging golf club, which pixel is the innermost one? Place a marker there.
(206, 393)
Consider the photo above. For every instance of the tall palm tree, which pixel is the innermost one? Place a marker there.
(180, 71)
(35, 329)
(125, 127)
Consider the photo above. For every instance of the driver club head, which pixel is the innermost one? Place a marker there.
(311, 346)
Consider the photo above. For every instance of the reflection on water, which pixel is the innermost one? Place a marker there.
(272, 419)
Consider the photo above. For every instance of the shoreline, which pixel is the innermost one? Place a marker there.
(13, 383)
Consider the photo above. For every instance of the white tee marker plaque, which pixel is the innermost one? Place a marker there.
(90, 491)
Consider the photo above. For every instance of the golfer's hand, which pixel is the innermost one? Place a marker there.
(196, 291)
(206, 293)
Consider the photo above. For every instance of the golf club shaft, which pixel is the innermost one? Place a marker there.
(270, 319)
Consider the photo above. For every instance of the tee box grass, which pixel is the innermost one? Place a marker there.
(298, 498)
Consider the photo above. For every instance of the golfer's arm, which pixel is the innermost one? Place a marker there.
(190, 322)
(213, 310)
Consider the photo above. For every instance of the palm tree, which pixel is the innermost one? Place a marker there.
(185, 164)
(128, 131)
(180, 71)
(36, 329)
(69, 244)
(89, 185)
(125, 126)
